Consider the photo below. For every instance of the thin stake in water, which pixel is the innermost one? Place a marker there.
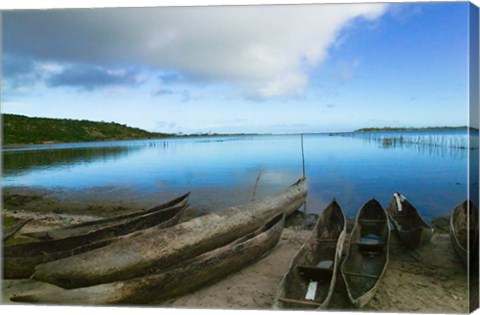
(303, 157)
(303, 169)
(256, 184)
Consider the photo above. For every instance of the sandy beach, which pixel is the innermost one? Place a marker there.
(431, 279)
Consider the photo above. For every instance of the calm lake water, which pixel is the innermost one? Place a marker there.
(221, 171)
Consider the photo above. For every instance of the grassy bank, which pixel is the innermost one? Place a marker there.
(19, 129)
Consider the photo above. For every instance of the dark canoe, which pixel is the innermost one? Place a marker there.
(464, 229)
(310, 281)
(136, 255)
(367, 255)
(19, 261)
(13, 228)
(180, 279)
(407, 222)
(90, 226)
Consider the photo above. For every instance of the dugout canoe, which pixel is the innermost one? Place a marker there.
(136, 255)
(19, 261)
(367, 256)
(464, 229)
(13, 228)
(310, 281)
(181, 279)
(407, 222)
(90, 226)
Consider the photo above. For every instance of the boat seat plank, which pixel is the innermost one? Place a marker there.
(370, 247)
(309, 303)
(315, 273)
(320, 240)
(372, 221)
(360, 275)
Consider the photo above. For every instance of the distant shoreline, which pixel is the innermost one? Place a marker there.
(44, 131)
(383, 129)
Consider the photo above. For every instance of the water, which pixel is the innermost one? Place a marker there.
(221, 171)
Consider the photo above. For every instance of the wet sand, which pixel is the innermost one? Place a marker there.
(431, 279)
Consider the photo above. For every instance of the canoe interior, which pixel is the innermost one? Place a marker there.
(464, 229)
(367, 255)
(409, 225)
(84, 227)
(315, 265)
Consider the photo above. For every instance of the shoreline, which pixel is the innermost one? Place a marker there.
(430, 279)
(228, 135)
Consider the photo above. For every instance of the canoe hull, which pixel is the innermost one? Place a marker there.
(413, 231)
(181, 279)
(91, 226)
(134, 256)
(19, 261)
(11, 229)
(464, 230)
(325, 244)
(365, 264)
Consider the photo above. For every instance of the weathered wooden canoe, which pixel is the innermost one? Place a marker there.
(13, 228)
(367, 256)
(136, 255)
(19, 261)
(464, 229)
(407, 222)
(180, 279)
(90, 226)
(310, 281)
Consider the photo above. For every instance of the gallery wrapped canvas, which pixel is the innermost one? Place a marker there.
(320, 156)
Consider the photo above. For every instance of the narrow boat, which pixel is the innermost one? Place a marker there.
(367, 255)
(161, 285)
(19, 261)
(311, 278)
(90, 226)
(136, 255)
(407, 222)
(464, 229)
(13, 228)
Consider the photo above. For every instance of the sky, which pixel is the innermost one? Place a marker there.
(241, 69)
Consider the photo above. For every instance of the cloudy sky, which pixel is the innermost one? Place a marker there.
(279, 69)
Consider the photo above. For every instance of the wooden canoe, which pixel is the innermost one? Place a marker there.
(180, 279)
(136, 255)
(464, 229)
(19, 261)
(367, 255)
(13, 228)
(407, 222)
(90, 226)
(311, 278)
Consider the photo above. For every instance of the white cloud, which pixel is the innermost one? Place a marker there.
(262, 51)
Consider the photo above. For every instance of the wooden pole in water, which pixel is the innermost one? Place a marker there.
(303, 157)
(256, 184)
(303, 169)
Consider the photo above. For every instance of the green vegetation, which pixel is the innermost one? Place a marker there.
(6, 220)
(19, 129)
(409, 129)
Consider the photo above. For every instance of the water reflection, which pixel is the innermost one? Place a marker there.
(222, 171)
(19, 162)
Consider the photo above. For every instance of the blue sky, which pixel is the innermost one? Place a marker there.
(279, 69)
